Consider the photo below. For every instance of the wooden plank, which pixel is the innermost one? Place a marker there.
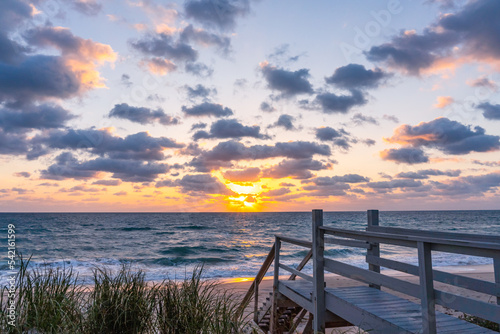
(260, 275)
(298, 242)
(473, 284)
(496, 268)
(374, 250)
(367, 276)
(318, 248)
(296, 272)
(427, 298)
(433, 233)
(256, 302)
(274, 308)
(298, 320)
(302, 264)
(347, 242)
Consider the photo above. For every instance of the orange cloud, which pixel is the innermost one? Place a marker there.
(443, 102)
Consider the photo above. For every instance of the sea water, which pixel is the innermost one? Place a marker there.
(170, 245)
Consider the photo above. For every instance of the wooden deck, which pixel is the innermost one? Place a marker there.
(368, 307)
(375, 310)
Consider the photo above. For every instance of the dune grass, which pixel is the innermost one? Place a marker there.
(52, 300)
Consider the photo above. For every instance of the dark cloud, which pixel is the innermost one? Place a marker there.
(425, 173)
(208, 109)
(230, 128)
(68, 166)
(286, 184)
(470, 33)
(13, 143)
(10, 51)
(487, 163)
(483, 82)
(451, 137)
(490, 111)
(37, 77)
(332, 103)
(265, 106)
(205, 38)
(142, 115)
(473, 185)
(360, 119)
(391, 118)
(355, 76)
(198, 126)
(139, 146)
(199, 69)
(339, 137)
(163, 45)
(87, 7)
(199, 184)
(296, 169)
(44, 116)
(107, 182)
(13, 13)
(250, 174)
(22, 174)
(288, 83)
(276, 192)
(332, 180)
(285, 121)
(396, 183)
(125, 80)
(200, 91)
(221, 14)
(408, 155)
(332, 186)
(223, 153)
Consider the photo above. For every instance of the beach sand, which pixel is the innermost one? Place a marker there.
(483, 272)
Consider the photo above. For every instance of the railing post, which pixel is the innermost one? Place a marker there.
(374, 249)
(318, 247)
(256, 302)
(274, 310)
(496, 268)
(427, 288)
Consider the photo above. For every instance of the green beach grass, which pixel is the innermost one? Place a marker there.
(55, 301)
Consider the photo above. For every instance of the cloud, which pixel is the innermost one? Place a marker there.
(44, 116)
(22, 174)
(406, 155)
(87, 7)
(139, 146)
(473, 185)
(288, 83)
(360, 119)
(199, 184)
(207, 109)
(225, 152)
(221, 14)
(163, 45)
(355, 76)
(230, 128)
(332, 103)
(120, 193)
(82, 56)
(285, 121)
(68, 166)
(265, 106)
(250, 174)
(470, 34)
(487, 163)
(276, 192)
(160, 66)
(393, 184)
(443, 102)
(425, 173)
(490, 111)
(296, 169)
(199, 69)
(483, 82)
(200, 91)
(448, 136)
(205, 38)
(332, 186)
(107, 182)
(338, 137)
(13, 143)
(142, 115)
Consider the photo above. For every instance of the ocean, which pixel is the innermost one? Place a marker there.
(169, 245)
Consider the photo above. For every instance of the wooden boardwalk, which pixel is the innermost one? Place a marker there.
(368, 307)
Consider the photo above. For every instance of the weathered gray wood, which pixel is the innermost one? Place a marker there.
(473, 284)
(347, 242)
(496, 268)
(260, 275)
(274, 309)
(318, 249)
(427, 287)
(468, 305)
(298, 320)
(374, 250)
(296, 272)
(438, 234)
(302, 264)
(298, 242)
(256, 302)
(367, 276)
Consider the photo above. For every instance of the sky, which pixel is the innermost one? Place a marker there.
(249, 105)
